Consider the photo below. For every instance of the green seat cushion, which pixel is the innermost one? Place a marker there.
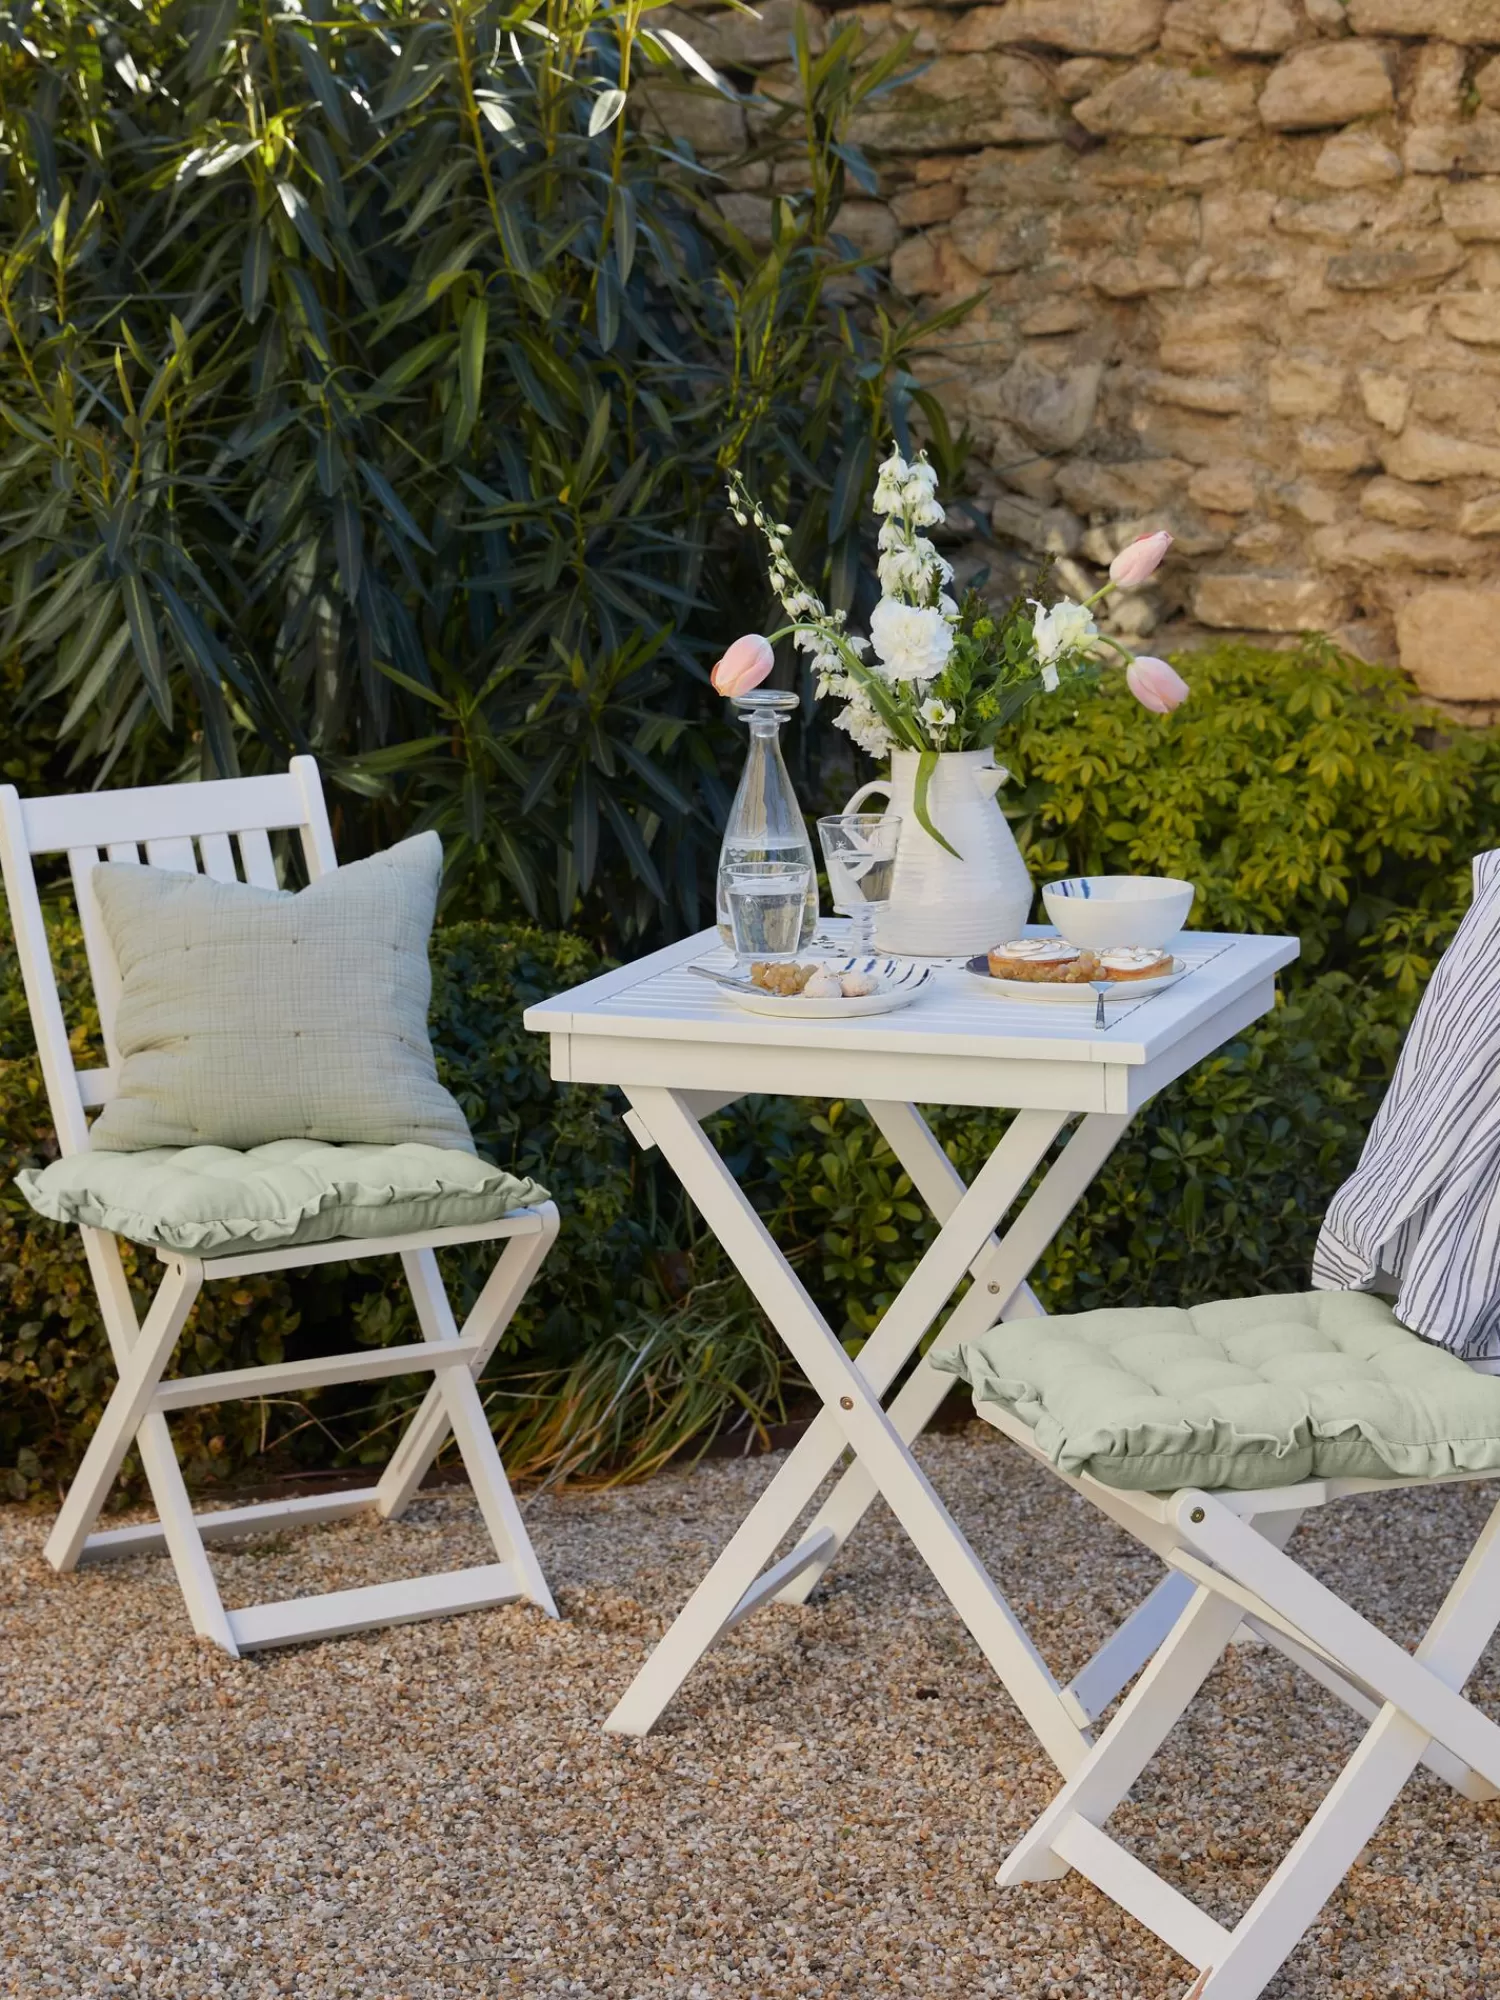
(1241, 1393)
(251, 1014)
(211, 1202)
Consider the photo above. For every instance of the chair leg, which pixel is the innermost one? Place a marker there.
(493, 1311)
(464, 1412)
(140, 1371)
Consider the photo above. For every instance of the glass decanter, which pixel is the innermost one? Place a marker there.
(765, 821)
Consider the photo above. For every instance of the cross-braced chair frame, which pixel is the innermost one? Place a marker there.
(211, 827)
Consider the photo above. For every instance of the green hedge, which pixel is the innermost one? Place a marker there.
(1299, 789)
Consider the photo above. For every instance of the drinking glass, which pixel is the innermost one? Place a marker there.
(767, 903)
(860, 849)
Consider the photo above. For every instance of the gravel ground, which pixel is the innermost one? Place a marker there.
(434, 1811)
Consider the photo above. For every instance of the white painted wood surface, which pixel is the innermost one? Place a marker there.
(679, 1050)
(183, 827)
(1233, 1548)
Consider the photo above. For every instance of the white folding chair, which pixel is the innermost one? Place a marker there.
(1231, 1547)
(211, 827)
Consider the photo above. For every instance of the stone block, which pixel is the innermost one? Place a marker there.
(1472, 146)
(1165, 432)
(1308, 501)
(1462, 400)
(1055, 531)
(1333, 447)
(961, 101)
(1437, 84)
(1471, 209)
(1480, 516)
(994, 242)
(1350, 545)
(1400, 505)
(1176, 224)
(1256, 27)
(1303, 385)
(1327, 83)
(869, 226)
(929, 202)
(1487, 83)
(710, 123)
(1253, 602)
(1356, 159)
(1387, 398)
(1053, 316)
(1155, 100)
(1135, 277)
(1080, 27)
(1465, 21)
(1331, 219)
(1425, 456)
(749, 213)
(1446, 637)
(916, 267)
(1471, 316)
(1080, 76)
(1127, 486)
(1419, 263)
(743, 41)
(1052, 407)
(1225, 489)
(1220, 398)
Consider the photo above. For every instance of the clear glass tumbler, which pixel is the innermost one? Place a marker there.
(860, 850)
(767, 907)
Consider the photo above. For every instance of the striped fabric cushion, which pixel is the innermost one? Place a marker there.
(1423, 1206)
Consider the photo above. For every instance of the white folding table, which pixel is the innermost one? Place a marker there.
(681, 1050)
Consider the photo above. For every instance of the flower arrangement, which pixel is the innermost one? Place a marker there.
(936, 674)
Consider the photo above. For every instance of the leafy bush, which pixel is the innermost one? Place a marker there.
(370, 378)
(1304, 792)
(638, 1338)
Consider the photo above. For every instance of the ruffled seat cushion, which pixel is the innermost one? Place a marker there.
(211, 1202)
(1238, 1394)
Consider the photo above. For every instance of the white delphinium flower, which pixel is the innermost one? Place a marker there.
(1065, 628)
(889, 483)
(936, 714)
(913, 641)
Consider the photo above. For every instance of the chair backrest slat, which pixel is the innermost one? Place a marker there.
(255, 853)
(176, 827)
(218, 857)
(177, 855)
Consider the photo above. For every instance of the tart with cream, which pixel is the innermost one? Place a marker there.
(1043, 961)
(1135, 961)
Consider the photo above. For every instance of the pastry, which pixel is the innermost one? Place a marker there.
(772, 976)
(1135, 961)
(824, 985)
(1043, 961)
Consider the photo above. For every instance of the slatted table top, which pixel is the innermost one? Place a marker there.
(653, 1021)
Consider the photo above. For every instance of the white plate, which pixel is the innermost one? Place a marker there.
(1078, 994)
(903, 983)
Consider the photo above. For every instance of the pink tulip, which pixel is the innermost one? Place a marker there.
(744, 666)
(1140, 560)
(1155, 685)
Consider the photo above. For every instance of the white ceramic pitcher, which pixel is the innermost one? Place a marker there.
(943, 905)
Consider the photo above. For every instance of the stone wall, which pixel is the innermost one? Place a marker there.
(1241, 266)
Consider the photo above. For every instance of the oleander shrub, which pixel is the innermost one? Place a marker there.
(368, 377)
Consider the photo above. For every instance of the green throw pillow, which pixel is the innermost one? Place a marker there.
(211, 1202)
(249, 1014)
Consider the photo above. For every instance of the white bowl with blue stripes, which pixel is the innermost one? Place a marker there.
(1107, 912)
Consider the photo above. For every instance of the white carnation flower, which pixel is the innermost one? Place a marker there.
(1066, 628)
(912, 640)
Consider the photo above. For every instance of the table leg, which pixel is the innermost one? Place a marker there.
(999, 1290)
(852, 1415)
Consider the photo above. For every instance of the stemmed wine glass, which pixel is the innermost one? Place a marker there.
(860, 850)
